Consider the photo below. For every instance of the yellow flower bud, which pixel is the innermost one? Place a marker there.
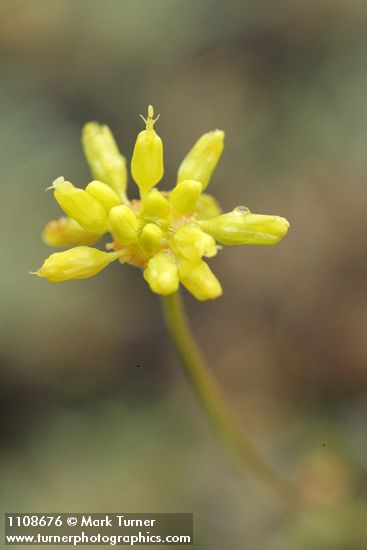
(80, 262)
(155, 205)
(147, 159)
(198, 278)
(192, 243)
(185, 196)
(104, 158)
(80, 206)
(124, 224)
(207, 207)
(161, 274)
(151, 238)
(104, 194)
(242, 227)
(200, 162)
(65, 231)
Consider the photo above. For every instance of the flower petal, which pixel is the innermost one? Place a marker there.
(80, 262)
(202, 159)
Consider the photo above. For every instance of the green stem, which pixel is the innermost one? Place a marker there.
(212, 401)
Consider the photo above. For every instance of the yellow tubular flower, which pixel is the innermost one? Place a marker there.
(165, 234)
(103, 194)
(147, 160)
(104, 158)
(161, 274)
(242, 227)
(124, 224)
(199, 280)
(151, 238)
(65, 231)
(80, 206)
(80, 262)
(201, 161)
(156, 206)
(185, 196)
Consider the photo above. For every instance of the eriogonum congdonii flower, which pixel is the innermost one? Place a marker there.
(166, 234)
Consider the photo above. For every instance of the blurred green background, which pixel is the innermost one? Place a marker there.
(82, 428)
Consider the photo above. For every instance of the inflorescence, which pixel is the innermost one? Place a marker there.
(166, 234)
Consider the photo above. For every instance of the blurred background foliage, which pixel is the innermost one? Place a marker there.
(96, 414)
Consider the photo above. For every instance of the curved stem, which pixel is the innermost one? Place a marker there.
(212, 400)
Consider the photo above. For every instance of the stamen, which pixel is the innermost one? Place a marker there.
(55, 182)
(150, 121)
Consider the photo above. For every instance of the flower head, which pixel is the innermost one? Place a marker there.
(166, 234)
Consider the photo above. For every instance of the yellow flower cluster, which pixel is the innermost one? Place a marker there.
(166, 234)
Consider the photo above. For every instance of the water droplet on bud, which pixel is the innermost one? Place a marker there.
(241, 210)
